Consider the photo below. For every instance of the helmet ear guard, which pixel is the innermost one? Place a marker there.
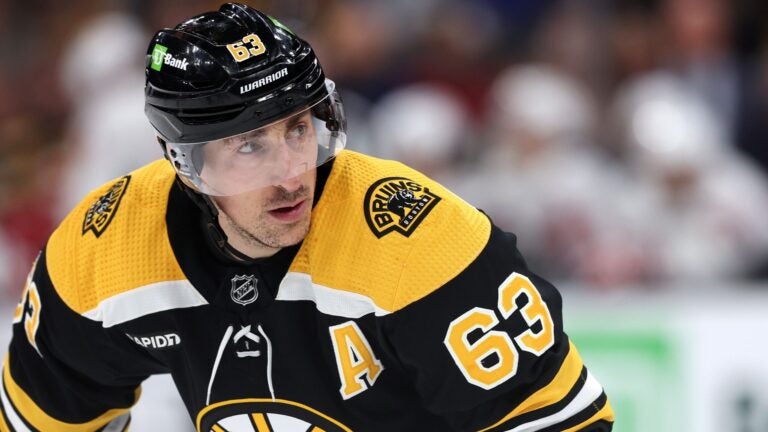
(332, 112)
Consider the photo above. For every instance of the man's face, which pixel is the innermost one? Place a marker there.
(277, 215)
(260, 158)
(273, 217)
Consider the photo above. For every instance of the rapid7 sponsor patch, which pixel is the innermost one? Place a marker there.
(156, 341)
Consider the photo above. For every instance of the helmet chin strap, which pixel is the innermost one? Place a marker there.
(214, 233)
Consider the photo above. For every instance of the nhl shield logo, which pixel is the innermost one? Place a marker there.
(244, 289)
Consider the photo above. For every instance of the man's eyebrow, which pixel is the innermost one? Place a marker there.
(257, 132)
(295, 119)
(289, 123)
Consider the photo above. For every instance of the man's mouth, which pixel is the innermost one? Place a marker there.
(290, 212)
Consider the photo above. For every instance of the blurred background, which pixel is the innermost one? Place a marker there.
(623, 141)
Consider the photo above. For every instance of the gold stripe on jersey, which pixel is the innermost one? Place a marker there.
(261, 422)
(35, 416)
(605, 413)
(394, 270)
(3, 423)
(558, 388)
(133, 250)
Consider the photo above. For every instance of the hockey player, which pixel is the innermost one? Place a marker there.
(268, 271)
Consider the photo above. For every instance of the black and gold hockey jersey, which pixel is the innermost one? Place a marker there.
(404, 309)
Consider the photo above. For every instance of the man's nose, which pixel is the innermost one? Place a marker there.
(289, 165)
(289, 184)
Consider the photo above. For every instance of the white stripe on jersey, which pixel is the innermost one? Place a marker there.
(588, 393)
(10, 413)
(299, 286)
(145, 300)
(118, 424)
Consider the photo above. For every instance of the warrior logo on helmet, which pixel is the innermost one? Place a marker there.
(397, 204)
(101, 213)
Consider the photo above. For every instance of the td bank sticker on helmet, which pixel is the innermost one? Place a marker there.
(160, 56)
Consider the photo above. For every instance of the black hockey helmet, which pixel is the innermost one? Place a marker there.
(216, 80)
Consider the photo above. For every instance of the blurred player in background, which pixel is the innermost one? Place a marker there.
(699, 203)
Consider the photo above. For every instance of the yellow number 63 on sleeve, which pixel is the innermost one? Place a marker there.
(470, 357)
(28, 309)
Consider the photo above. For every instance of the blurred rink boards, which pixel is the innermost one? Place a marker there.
(682, 360)
(671, 360)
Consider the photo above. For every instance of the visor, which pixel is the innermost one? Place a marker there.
(299, 142)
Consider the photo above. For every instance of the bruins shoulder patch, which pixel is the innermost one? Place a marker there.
(397, 204)
(101, 213)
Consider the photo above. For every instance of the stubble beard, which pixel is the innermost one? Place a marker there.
(263, 234)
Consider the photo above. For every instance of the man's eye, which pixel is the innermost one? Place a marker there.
(249, 147)
(298, 131)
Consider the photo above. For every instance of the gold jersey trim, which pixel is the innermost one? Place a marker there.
(133, 251)
(605, 413)
(587, 395)
(38, 418)
(392, 271)
(3, 424)
(565, 379)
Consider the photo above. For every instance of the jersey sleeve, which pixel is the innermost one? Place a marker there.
(487, 351)
(63, 371)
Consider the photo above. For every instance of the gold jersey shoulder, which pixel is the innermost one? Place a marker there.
(389, 233)
(115, 240)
